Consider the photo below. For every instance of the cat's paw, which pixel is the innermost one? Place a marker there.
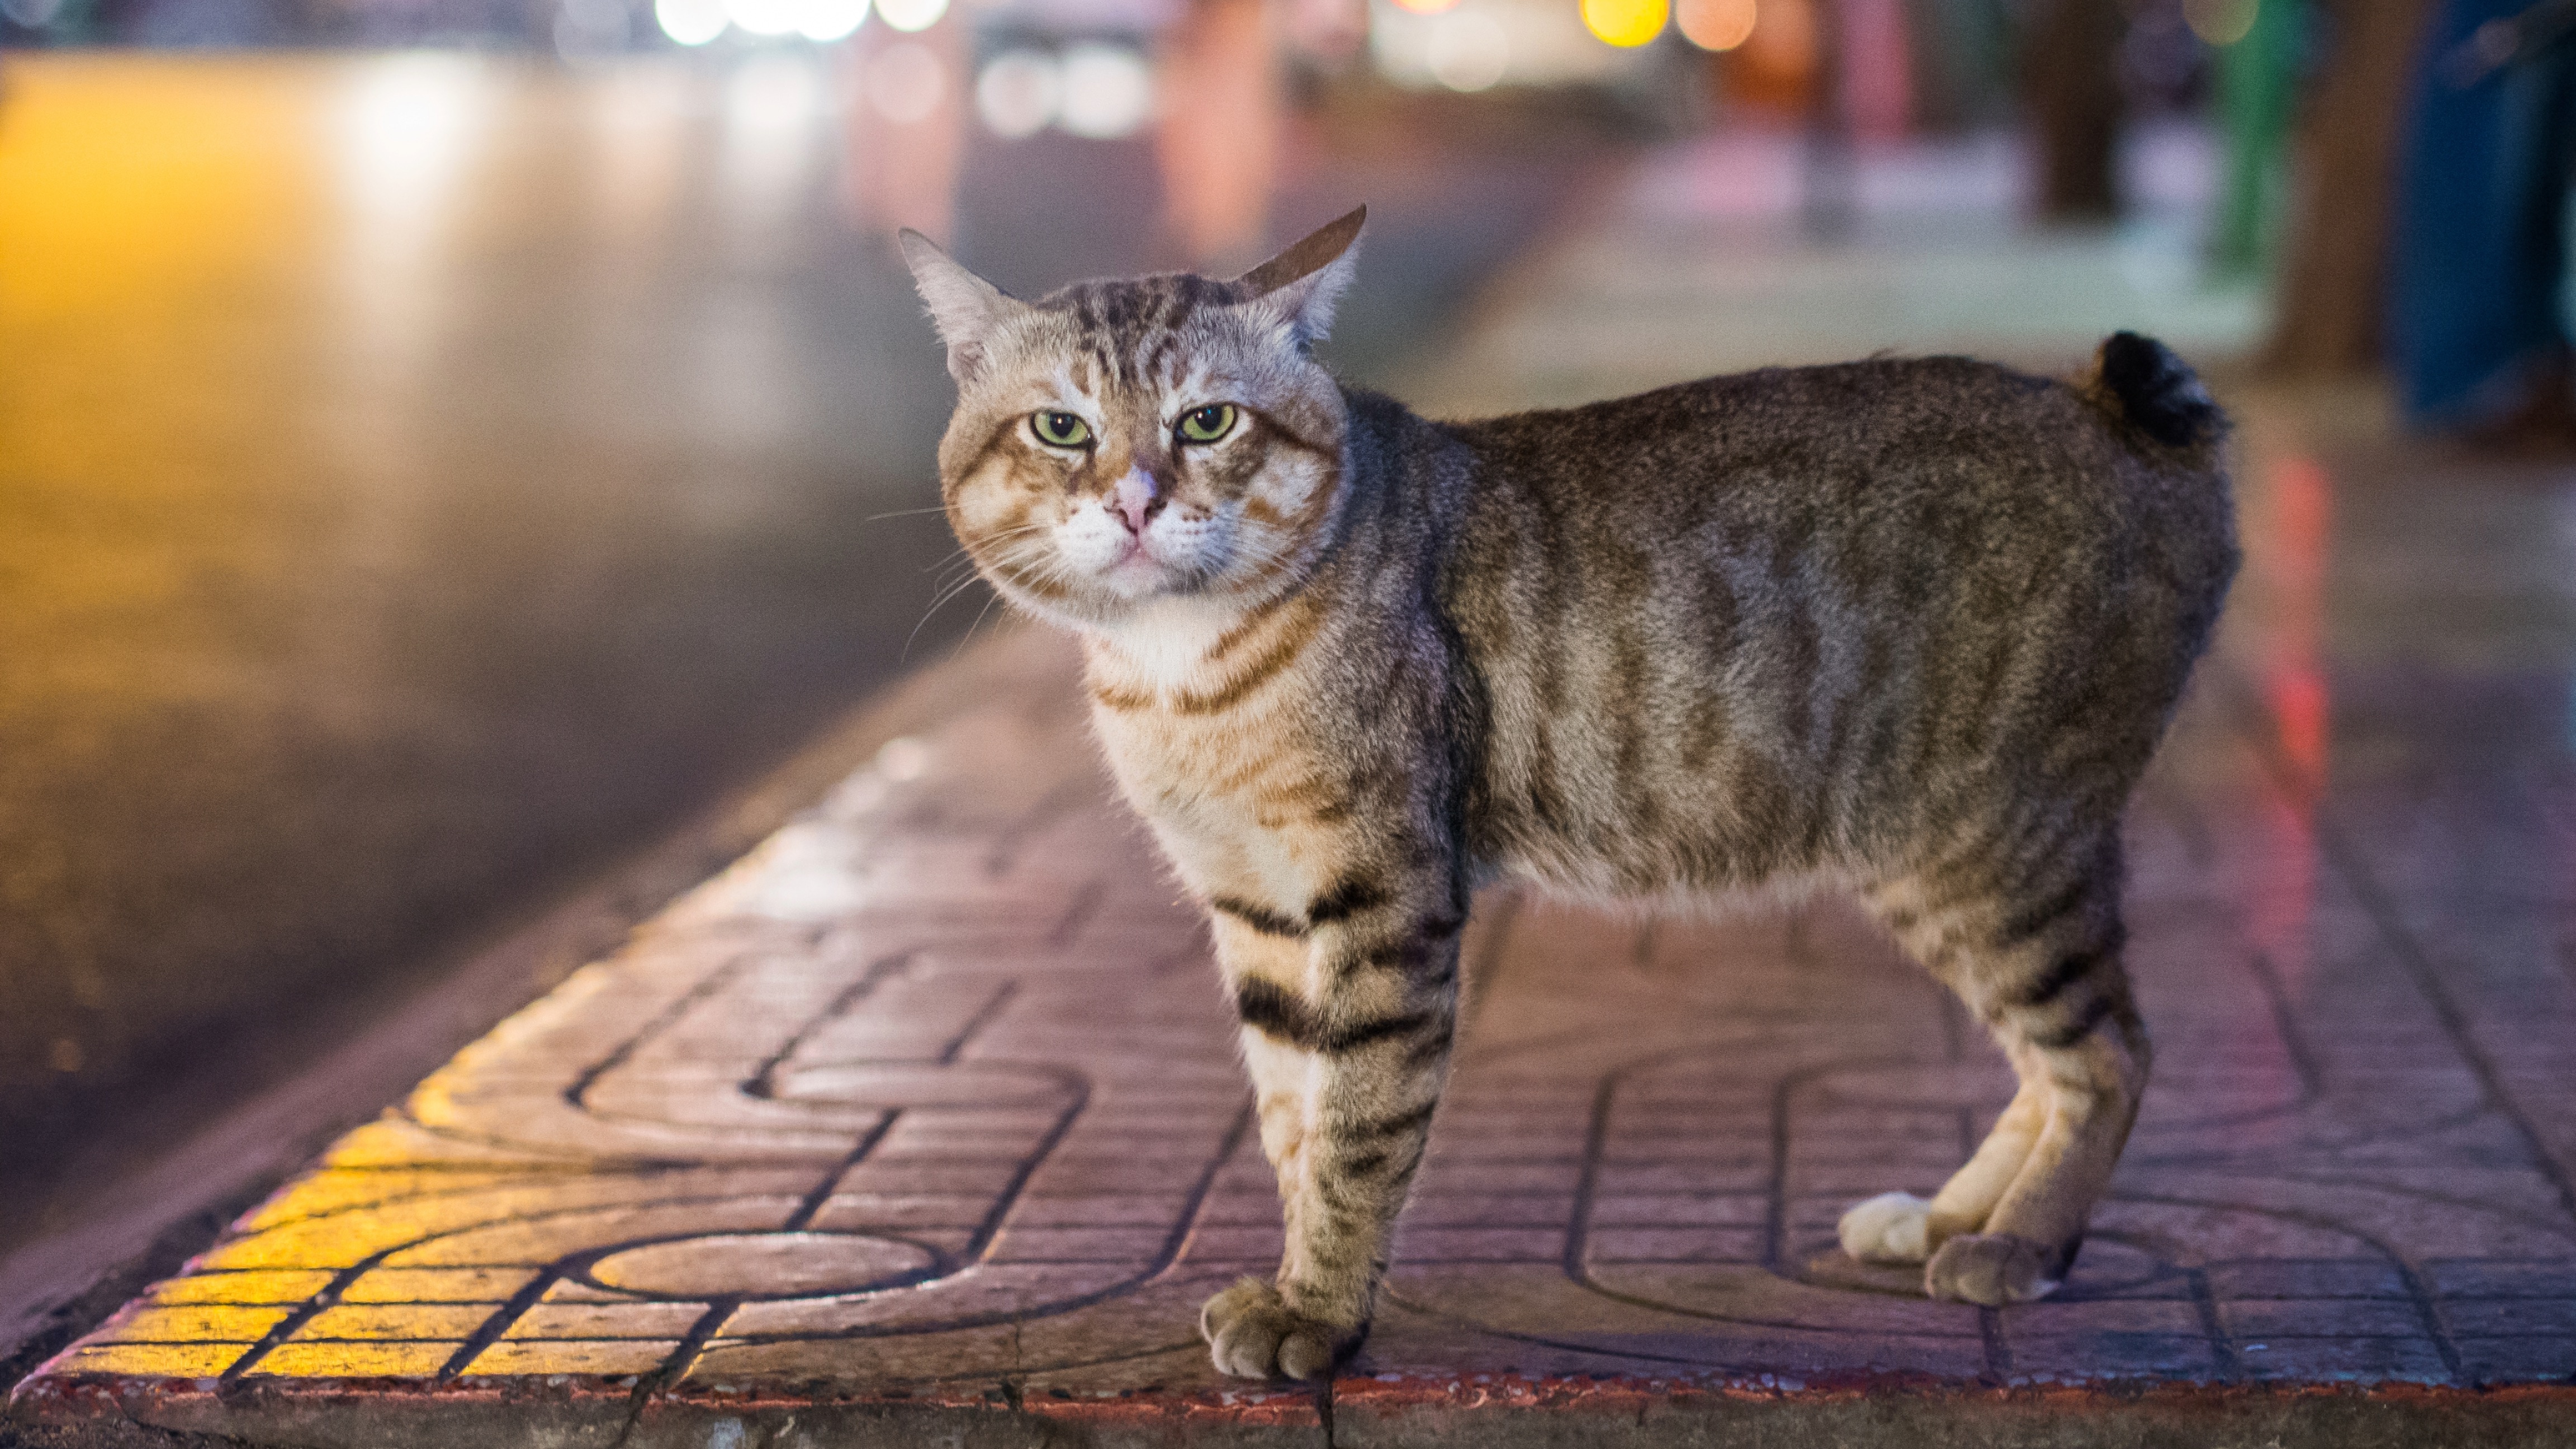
(1252, 1333)
(1889, 1228)
(1893, 1227)
(1989, 1268)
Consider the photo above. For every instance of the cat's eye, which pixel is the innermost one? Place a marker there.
(1207, 424)
(1060, 430)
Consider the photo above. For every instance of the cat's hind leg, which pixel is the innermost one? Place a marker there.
(2041, 965)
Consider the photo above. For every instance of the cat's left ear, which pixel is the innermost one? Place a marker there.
(1301, 285)
(964, 307)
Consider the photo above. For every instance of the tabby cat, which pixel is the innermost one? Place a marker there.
(1910, 627)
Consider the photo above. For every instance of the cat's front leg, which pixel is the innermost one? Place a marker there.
(1349, 1008)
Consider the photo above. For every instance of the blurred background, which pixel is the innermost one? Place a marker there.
(443, 443)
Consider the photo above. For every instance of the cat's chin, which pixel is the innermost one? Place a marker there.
(1137, 577)
(1140, 581)
(1102, 609)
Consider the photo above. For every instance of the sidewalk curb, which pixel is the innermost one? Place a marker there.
(1353, 1413)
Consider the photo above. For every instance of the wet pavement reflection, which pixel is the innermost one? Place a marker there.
(423, 476)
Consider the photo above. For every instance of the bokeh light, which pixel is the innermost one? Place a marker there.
(1625, 23)
(912, 15)
(1018, 93)
(690, 22)
(2220, 22)
(1108, 91)
(765, 17)
(1427, 7)
(825, 21)
(407, 129)
(905, 82)
(1715, 24)
(1469, 51)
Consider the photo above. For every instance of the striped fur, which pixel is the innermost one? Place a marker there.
(1909, 627)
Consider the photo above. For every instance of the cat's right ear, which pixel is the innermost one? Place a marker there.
(964, 307)
(1303, 284)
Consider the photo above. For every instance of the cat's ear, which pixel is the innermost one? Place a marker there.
(1301, 285)
(964, 307)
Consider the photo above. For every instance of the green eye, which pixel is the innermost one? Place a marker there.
(1207, 424)
(1062, 430)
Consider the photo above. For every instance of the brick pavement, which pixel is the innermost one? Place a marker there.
(922, 1123)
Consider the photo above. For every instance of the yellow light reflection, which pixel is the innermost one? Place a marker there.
(1625, 22)
(126, 181)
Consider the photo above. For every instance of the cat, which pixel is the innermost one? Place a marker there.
(1913, 627)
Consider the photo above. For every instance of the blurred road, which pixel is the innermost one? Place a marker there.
(423, 477)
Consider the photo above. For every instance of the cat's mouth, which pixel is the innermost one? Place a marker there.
(1136, 572)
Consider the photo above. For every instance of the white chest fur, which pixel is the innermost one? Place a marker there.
(1163, 646)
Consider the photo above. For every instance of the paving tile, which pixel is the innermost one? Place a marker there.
(2474, 1278)
(2534, 1317)
(541, 1358)
(1675, 1245)
(2346, 1358)
(2267, 1317)
(668, 1321)
(190, 1324)
(2111, 1356)
(256, 1287)
(412, 1359)
(394, 1321)
(436, 1285)
(2518, 1360)
(95, 1358)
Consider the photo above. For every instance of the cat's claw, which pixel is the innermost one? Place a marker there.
(1893, 1227)
(1992, 1269)
(1252, 1333)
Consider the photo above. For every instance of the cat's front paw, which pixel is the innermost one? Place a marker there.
(1252, 1333)
(1989, 1268)
(1893, 1227)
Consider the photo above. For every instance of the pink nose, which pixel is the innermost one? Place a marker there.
(1136, 499)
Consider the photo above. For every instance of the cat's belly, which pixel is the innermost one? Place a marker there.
(1596, 885)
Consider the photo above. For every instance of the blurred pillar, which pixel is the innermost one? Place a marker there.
(1774, 70)
(1829, 203)
(2070, 76)
(1878, 69)
(1944, 56)
(2327, 318)
(906, 119)
(2257, 85)
(1218, 141)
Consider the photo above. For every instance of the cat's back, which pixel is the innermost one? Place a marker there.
(1853, 462)
(1975, 432)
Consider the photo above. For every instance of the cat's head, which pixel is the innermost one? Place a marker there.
(1122, 441)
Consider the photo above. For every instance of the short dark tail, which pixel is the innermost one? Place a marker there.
(2156, 392)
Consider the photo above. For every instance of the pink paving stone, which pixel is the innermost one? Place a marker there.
(925, 1120)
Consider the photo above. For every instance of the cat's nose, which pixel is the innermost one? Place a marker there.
(1136, 499)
